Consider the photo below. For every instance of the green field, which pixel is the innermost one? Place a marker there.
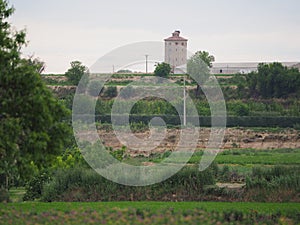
(239, 157)
(149, 213)
(245, 207)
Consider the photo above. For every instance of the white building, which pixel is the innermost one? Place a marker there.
(176, 50)
(243, 68)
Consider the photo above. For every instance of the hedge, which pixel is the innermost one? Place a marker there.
(205, 121)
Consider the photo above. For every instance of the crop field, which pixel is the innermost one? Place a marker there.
(242, 157)
(149, 213)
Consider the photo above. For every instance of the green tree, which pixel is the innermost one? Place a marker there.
(111, 92)
(205, 57)
(162, 69)
(273, 81)
(198, 66)
(76, 72)
(32, 126)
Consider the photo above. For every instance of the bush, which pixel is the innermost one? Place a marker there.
(162, 70)
(205, 121)
(297, 126)
(277, 177)
(76, 72)
(34, 188)
(86, 185)
(4, 195)
(110, 92)
(238, 108)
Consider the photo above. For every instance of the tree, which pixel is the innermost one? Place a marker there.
(162, 69)
(32, 121)
(198, 66)
(205, 57)
(273, 81)
(76, 72)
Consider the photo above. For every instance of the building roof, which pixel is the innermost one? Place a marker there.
(176, 37)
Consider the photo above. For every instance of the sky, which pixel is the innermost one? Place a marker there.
(61, 31)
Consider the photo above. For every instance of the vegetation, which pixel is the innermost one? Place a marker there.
(32, 126)
(86, 185)
(273, 81)
(162, 70)
(39, 157)
(249, 157)
(205, 57)
(150, 213)
(198, 68)
(76, 73)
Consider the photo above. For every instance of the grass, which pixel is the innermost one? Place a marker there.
(245, 207)
(264, 159)
(16, 194)
(242, 157)
(149, 213)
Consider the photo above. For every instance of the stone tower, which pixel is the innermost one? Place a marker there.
(176, 50)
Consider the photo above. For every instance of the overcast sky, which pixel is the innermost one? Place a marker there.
(60, 31)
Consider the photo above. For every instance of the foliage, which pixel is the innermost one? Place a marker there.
(85, 185)
(76, 73)
(162, 69)
(205, 121)
(243, 157)
(124, 71)
(136, 213)
(32, 127)
(238, 108)
(4, 195)
(53, 82)
(273, 81)
(273, 184)
(110, 92)
(70, 159)
(119, 153)
(198, 68)
(262, 108)
(35, 186)
(297, 126)
(205, 57)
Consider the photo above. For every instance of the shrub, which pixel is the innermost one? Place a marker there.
(4, 195)
(277, 177)
(86, 185)
(34, 188)
(162, 70)
(205, 121)
(110, 92)
(238, 108)
(297, 126)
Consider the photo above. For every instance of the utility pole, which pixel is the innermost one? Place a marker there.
(147, 63)
(184, 102)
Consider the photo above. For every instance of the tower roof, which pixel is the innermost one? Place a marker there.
(176, 37)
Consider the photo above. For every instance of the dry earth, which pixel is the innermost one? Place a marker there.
(234, 138)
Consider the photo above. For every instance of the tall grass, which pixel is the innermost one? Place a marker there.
(86, 185)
